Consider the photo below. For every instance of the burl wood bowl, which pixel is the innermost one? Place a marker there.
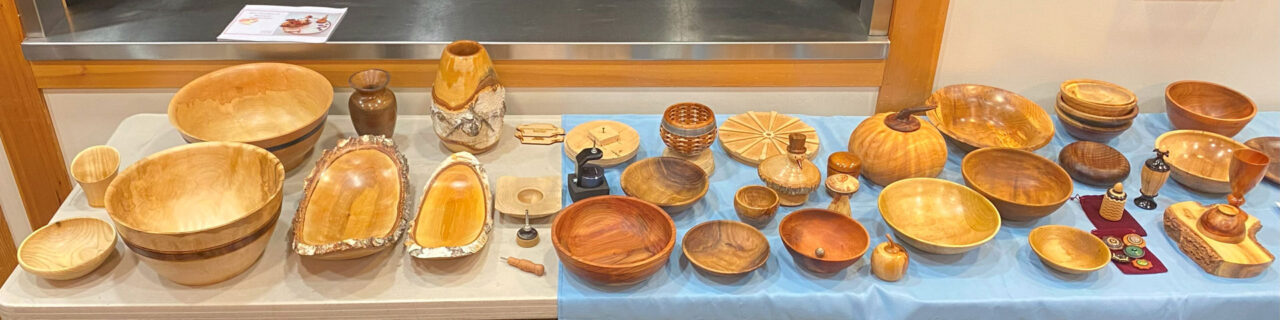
(671, 183)
(823, 241)
(1069, 250)
(756, 204)
(1086, 132)
(1093, 119)
(279, 107)
(1098, 97)
(67, 249)
(1271, 147)
(938, 216)
(208, 206)
(725, 248)
(1021, 184)
(1199, 160)
(978, 116)
(613, 240)
(1094, 163)
(355, 201)
(1207, 106)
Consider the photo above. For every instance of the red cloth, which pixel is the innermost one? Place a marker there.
(1125, 267)
(1091, 204)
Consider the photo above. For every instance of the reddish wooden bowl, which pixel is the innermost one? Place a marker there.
(1021, 184)
(842, 239)
(1207, 106)
(613, 240)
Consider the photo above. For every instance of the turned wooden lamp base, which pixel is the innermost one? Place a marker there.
(704, 159)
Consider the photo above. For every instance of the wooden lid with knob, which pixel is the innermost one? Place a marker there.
(796, 143)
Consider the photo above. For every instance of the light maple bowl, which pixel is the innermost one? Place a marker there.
(1069, 250)
(823, 241)
(977, 116)
(938, 216)
(671, 183)
(279, 107)
(1087, 132)
(1021, 184)
(1098, 97)
(1207, 106)
(1094, 119)
(67, 249)
(199, 213)
(613, 240)
(1199, 160)
(725, 248)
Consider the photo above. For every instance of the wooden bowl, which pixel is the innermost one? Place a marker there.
(455, 215)
(1087, 132)
(671, 183)
(1096, 120)
(978, 116)
(208, 206)
(1271, 147)
(1094, 163)
(756, 204)
(1098, 97)
(1069, 250)
(1199, 160)
(279, 107)
(613, 240)
(355, 201)
(725, 248)
(688, 128)
(1021, 184)
(67, 249)
(1207, 106)
(938, 216)
(841, 239)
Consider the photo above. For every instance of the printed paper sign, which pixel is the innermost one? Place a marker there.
(284, 24)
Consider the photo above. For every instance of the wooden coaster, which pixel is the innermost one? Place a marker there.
(540, 195)
(704, 160)
(754, 136)
(618, 141)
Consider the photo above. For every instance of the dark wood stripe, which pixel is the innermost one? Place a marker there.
(203, 254)
(320, 125)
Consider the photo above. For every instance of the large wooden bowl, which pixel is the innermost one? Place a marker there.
(1098, 97)
(1086, 132)
(1096, 120)
(279, 107)
(671, 183)
(938, 216)
(725, 248)
(1199, 160)
(1207, 106)
(355, 201)
(208, 206)
(1021, 184)
(822, 240)
(613, 240)
(67, 249)
(1271, 147)
(1069, 250)
(978, 116)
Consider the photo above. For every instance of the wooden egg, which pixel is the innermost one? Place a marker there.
(1094, 163)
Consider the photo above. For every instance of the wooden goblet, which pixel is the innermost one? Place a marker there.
(1248, 166)
(94, 169)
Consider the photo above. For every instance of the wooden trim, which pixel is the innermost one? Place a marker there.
(27, 129)
(915, 38)
(8, 252)
(514, 73)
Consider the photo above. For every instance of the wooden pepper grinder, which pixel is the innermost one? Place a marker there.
(1113, 203)
(1154, 174)
(791, 174)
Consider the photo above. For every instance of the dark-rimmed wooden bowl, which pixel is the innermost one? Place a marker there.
(1021, 184)
(841, 239)
(977, 116)
(613, 240)
(725, 248)
(1207, 106)
(938, 216)
(671, 183)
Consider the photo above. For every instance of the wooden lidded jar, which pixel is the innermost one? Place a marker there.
(791, 174)
(896, 145)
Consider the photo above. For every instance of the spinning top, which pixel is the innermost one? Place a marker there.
(527, 236)
(1154, 174)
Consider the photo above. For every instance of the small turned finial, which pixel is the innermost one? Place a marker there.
(1157, 163)
(903, 121)
(1117, 191)
(796, 143)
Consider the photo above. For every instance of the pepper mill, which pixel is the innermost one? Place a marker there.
(1154, 174)
(1113, 203)
(791, 174)
(589, 179)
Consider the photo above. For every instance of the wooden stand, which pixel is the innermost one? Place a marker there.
(1244, 259)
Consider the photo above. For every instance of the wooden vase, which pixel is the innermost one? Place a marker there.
(467, 101)
(372, 105)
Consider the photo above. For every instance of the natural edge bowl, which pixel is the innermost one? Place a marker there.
(1096, 120)
(977, 116)
(938, 216)
(67, 249)
(1087, 132)
(613, 240)
(1199, 160)
(671, 183)
(1062, 247)
(364, 180)
(1207, 106)
(841, 239)
(756, 204)
(1021, 184)
(725, 248)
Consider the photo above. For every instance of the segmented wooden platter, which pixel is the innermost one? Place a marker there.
(754, 136)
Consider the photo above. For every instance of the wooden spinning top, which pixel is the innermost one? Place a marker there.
(792, 175)
(1113, 203)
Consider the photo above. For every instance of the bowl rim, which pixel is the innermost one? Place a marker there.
(1170, 100)
(776, 197)
(934, 114)
(787, 219)
(276, 188)
(1173, 164)
(46, 228)
(1068, 120)
(1062, 90)
(881, 200)
(1061, 228)
(1065, 106)
(84, 153)
(173, 107)
(705, 181)
(671, 225)
(1027, 154)
(684, 248)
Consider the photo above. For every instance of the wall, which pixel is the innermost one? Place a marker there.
(14, 213)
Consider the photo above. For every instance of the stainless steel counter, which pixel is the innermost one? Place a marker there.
(511, 29)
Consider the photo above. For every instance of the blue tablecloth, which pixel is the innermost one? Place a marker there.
(999, 280)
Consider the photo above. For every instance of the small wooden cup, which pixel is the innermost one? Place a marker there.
(756, 204)
(94, 169)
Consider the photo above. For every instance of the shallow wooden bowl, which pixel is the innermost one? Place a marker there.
(1098, 97)
(978, 116)
(938, 216)
(198, 213)
(455, 215)
(279, 107)
(1094, 163)
(725, 248)
(1021, 184)
(355, 201)
(1199, 160)
(671, 183)
(67, 249)
(1271, 147)
(613, 240)
(841, 239)
(756, 204)
(1207, 106)
(1096, 120)
(1086, 132)
(1069, 250)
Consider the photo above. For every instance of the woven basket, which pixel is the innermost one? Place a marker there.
(688, 128)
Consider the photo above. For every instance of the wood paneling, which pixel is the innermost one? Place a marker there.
(8, 252)
(915, 38)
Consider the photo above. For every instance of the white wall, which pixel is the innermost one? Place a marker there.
(14, 212)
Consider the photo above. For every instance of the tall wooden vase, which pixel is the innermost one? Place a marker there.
(467, 101)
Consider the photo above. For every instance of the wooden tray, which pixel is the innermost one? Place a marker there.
(540, 195)
(754, 136)
(1232, 260)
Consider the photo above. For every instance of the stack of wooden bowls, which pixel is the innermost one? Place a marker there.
(1095, 110)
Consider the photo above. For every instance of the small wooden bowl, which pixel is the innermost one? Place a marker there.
(671, 183)
(1199, 160)
(1069, 250)
(355, 201)
(938, 216)
(1022, 185)
(756, 204)
(1098, 97)
(1271, 147)
(688, 128)
(279, 107)
(94, 169)
(613, 240)
(1087, 132)
(725, 248)
(1207, 106)
(1094, 163)
(67, 249)
(978, 116)
(841, 239)
(455, 214)
(1096, 120)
